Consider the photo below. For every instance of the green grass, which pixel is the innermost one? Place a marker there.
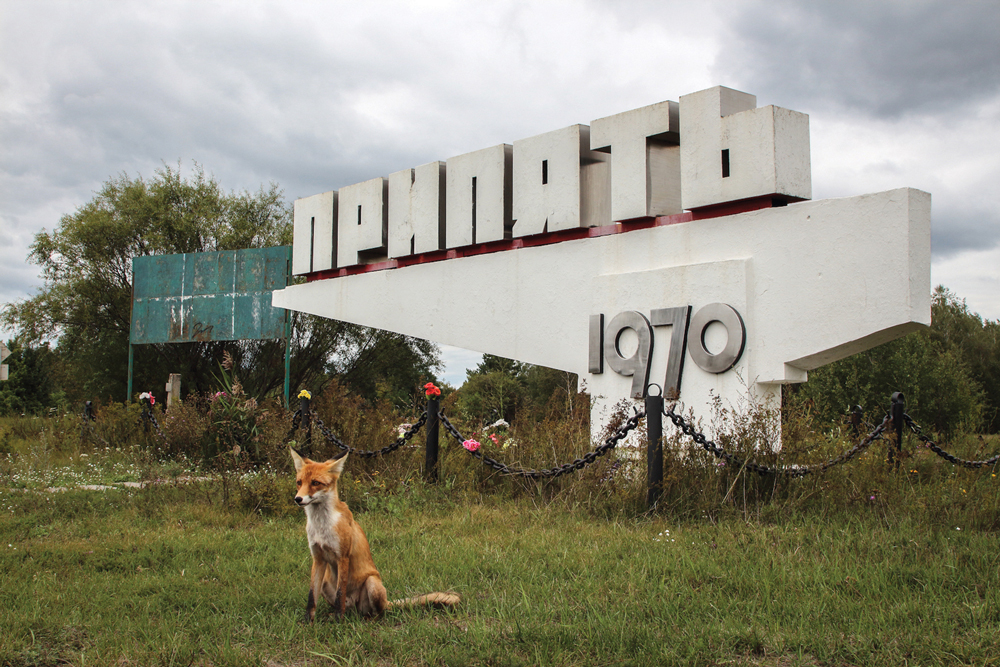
(867, 564)
(174, 576)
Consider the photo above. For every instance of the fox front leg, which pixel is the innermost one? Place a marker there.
(310, 607)
(343, 572)
(315, 589)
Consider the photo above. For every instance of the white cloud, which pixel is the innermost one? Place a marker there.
(456, 362)
(964, 275)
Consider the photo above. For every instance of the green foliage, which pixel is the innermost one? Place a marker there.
(488, 397)
(976, 342)
(500, 388)
(942, 372)
(29, 387)
(382, 366)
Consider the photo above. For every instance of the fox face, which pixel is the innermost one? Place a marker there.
(315, 481)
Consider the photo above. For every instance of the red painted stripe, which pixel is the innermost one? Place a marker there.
(536, 240)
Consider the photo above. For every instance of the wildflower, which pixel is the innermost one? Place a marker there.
(305, 394)
(494, 438)
(471, 445)
(431, 390)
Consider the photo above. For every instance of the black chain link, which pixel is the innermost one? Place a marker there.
(88, 429)
(296, 420)
(577, 464)
(931, 445)
(402, 440)
(148, 414)
(792, 471)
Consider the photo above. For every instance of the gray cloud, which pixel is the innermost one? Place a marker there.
(964, 227)
(882, 58)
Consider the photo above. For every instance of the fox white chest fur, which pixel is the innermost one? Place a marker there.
(321, 517)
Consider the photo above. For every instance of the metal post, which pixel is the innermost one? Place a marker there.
(304, 409)
(654, 447)
(147, 411)
(288, 333)
(288, 364)
(128, 397)
(856, 415)
(896, 412)
(431, 458)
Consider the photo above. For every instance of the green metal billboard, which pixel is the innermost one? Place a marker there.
(209, 296)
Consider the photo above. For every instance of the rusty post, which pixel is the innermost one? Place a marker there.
(896, 412)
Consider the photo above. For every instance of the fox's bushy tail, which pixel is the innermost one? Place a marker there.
(438, 600)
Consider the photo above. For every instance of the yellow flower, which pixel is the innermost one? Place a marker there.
(305, 394)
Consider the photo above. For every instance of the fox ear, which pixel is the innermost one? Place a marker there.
(337, 465)
(296, 459)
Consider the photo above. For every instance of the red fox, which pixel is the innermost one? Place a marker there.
(343, 571)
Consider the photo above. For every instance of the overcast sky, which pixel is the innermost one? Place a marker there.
(314, 96)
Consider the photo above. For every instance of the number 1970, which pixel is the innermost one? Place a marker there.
(605, 343)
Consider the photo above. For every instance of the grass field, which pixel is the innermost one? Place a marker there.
(173, 575)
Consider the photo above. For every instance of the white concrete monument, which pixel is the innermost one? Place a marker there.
(672, 244)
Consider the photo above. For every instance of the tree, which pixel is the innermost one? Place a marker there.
(29, 387)
(976, 342)
(85, 302)
(500, 388)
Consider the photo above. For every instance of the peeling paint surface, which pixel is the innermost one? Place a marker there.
(208, 296)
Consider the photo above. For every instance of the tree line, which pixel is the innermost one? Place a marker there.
(72, 336)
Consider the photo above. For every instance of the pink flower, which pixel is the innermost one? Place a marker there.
(431, 390)
(471, 445)
(494, 438)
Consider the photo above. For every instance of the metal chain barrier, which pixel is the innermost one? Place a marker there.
(792, 471)
(610, 443)
(931, 445)
(87, 429)
(149, 416)
(402, 440)
(152, 419)
(296, 420)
